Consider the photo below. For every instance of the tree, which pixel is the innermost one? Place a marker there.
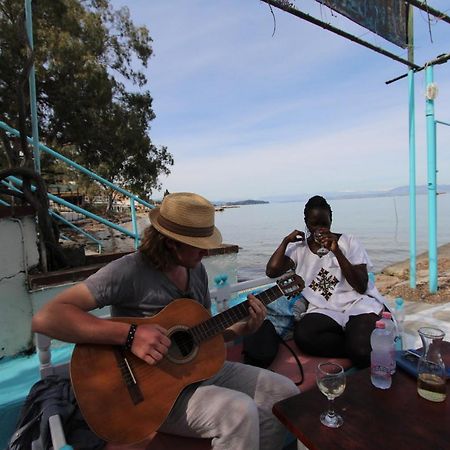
(85, 52)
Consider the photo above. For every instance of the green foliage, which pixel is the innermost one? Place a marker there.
(84, 53)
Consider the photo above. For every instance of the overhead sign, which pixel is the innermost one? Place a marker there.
(387, 18)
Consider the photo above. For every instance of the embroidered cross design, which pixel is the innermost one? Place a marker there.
(324, 283)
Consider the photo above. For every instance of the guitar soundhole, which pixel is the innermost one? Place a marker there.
(182, 348)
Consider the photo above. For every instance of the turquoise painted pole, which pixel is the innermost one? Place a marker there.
(412, 183)
(432, 190)
(134, 223)
(412, 155)
(32, 84)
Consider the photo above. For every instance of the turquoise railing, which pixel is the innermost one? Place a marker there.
(132, 198)
(58, 217)
(80, 210)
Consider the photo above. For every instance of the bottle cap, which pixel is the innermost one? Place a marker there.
(399, 301)
(386, 315)
(379, 324)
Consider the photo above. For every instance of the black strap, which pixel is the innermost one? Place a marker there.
(299, 364)
(260, 348)
(20, 431)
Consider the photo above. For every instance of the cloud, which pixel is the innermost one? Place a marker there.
(246, 114)
(372, 154)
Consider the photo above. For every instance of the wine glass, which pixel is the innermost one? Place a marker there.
(321, 251)
(330, 379)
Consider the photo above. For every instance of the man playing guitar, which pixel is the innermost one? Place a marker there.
(234, 406)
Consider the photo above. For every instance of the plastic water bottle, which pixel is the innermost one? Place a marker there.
(221, 282)
(400, 318)
(390, 328)
(298, 306)
(380, 371)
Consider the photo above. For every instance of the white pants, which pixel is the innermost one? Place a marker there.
(234, 408)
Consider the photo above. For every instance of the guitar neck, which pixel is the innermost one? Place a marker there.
(222, 321)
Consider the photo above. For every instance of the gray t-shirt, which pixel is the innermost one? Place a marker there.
(134, 288)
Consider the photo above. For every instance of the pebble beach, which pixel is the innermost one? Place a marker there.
(393, 281)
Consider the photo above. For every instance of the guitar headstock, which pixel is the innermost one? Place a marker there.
(291, 284)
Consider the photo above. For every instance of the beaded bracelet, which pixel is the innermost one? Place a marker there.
(130, 337)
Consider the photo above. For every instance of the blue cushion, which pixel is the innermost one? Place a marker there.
(17, 376)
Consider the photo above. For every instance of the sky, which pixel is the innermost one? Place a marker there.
(252, 114)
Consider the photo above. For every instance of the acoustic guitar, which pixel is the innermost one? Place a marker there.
(123, 399)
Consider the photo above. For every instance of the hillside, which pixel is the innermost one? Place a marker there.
(395, 192)
(242, 202)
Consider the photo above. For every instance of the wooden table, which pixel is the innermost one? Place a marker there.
(396, 418)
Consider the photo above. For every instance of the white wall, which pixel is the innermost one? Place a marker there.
(19, 253)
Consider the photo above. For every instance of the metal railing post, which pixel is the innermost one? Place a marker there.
(32, 86)
(412, 184)
(134, 223)
(432, 190)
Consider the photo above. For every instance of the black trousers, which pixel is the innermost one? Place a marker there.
(320, 335)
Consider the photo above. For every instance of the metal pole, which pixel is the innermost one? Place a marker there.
(429, 10)
(432, 203)
(412, 184)
(412, 156)
(286, 6)
(134, 223)
(32, 83)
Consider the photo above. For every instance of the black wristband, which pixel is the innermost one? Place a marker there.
(130, 337)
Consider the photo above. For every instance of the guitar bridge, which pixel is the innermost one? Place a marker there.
(128, 376)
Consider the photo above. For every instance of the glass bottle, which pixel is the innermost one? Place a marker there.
(431, 377)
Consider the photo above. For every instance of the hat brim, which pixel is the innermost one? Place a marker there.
(207, 243)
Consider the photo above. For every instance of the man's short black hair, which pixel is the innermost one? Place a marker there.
(317, 202)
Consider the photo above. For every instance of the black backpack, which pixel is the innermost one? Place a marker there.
(49, 396)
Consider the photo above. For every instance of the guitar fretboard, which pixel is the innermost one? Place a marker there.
(222, 321)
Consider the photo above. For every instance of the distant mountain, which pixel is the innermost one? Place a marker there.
(420, 190)
(395, 192)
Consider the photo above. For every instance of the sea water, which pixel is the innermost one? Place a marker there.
(380, 224)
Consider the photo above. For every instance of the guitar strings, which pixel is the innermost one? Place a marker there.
(204, 329)
(220, 322)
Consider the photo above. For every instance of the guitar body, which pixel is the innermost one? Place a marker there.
(122, 398)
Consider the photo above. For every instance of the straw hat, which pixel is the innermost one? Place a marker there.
(187, 218)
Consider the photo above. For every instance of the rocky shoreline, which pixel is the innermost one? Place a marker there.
(393, 280)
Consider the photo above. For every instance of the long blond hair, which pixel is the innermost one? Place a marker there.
(154, 248)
